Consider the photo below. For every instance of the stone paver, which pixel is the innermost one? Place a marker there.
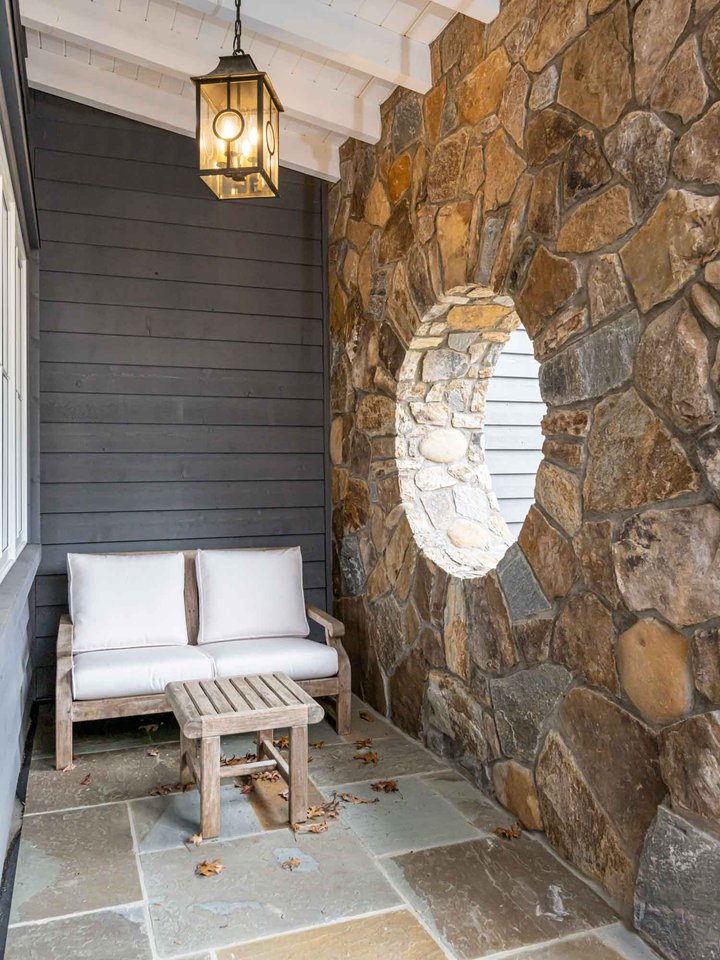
(73, 862)
(255, 896)
(164, 822)
(397, 757)
(409, 819)
(490, 895)
(119, 934)
(113, 776)
(395, 935)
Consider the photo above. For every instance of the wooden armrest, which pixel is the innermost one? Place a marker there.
(333, 627)
(65, 637)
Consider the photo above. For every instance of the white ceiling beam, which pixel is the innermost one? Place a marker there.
(485, 10)
(328, 32)
(104, 90)
(109, 31)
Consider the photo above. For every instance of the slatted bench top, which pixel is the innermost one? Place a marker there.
(228, 705)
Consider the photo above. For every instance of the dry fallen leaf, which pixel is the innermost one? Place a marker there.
(363, 744)
(291, 864)
(367, 717)
(163, 789)
(186, 786)
(149, 727)
(195, 839)
(237, 761)
(351, 798)
(68, 768)
(385, 786)
(154, 752)
(309, 827)
(87, 781)
(369, 757)
(271, 776)
(209, 868)
(284, 794)
(282, 743)
(510, 833)
(328, 810)
(318, 744)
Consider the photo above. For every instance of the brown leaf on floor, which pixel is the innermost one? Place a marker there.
(510, 833)
(328, 809)
(149, 727)
(69, 768)
(87, 781)
(154, 752)
(270, 776)
(237, 761)
(245, 784)
(209, 868)
(369, 757)
(309, 827)
(163, 789)
(385, 786)
(291, 864)
(318, 744)
(351, 798)
(184, 787)
(363, 744)
(282, 743)
(284, 795)
(367, 717)
(195, 839)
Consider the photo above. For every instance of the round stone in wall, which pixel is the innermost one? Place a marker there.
(444, 446)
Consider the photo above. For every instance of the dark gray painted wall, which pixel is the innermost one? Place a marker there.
(182, 371)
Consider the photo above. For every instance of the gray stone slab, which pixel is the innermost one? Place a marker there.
(73, 862)
(592, 366)
(615, 943)
(412, 818)
(118, 934)
(164, 822)
(114, 775)
(472, 804)
(523, 702)
(676, 896)
(96, 735)
(522, 591)
(255, 896)
(490, 895)
(397, 757)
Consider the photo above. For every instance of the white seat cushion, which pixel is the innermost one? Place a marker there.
(299, 658)
(248, 594)
(132, 673)
(130, 600)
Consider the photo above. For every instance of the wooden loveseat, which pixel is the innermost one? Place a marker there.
(110, 664)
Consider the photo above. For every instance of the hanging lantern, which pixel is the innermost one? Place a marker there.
(238, 126)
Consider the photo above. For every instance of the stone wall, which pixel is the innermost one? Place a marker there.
(568, 157)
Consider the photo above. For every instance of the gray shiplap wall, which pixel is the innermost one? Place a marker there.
(182, 381)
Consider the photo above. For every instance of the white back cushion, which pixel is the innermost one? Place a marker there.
(250, 594)
(127, 601)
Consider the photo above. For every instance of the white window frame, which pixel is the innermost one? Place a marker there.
(13, 376)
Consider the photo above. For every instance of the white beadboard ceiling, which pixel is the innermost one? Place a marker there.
(332, 62)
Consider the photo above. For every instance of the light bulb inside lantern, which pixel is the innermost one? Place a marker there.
(228, 125)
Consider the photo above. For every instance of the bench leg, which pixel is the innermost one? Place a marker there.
(210, 787)
(262, 735)
(298, 774)
(184, 765)
(63, 738)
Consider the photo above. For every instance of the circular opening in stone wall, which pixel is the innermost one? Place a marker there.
(468, 439)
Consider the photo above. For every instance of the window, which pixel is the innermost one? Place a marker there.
(13, 391)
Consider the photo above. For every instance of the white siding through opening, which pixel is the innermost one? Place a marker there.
(513, 439)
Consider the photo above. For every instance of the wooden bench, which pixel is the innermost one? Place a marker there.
(69, 711)
(206, 710)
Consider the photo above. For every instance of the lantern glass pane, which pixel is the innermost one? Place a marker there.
(271, 137)
(238, 153)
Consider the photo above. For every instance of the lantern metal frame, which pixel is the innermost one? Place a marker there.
(240, 68)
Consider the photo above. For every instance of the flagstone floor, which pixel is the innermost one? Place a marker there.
(106, 870)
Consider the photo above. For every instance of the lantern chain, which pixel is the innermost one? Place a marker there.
(237, 41)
